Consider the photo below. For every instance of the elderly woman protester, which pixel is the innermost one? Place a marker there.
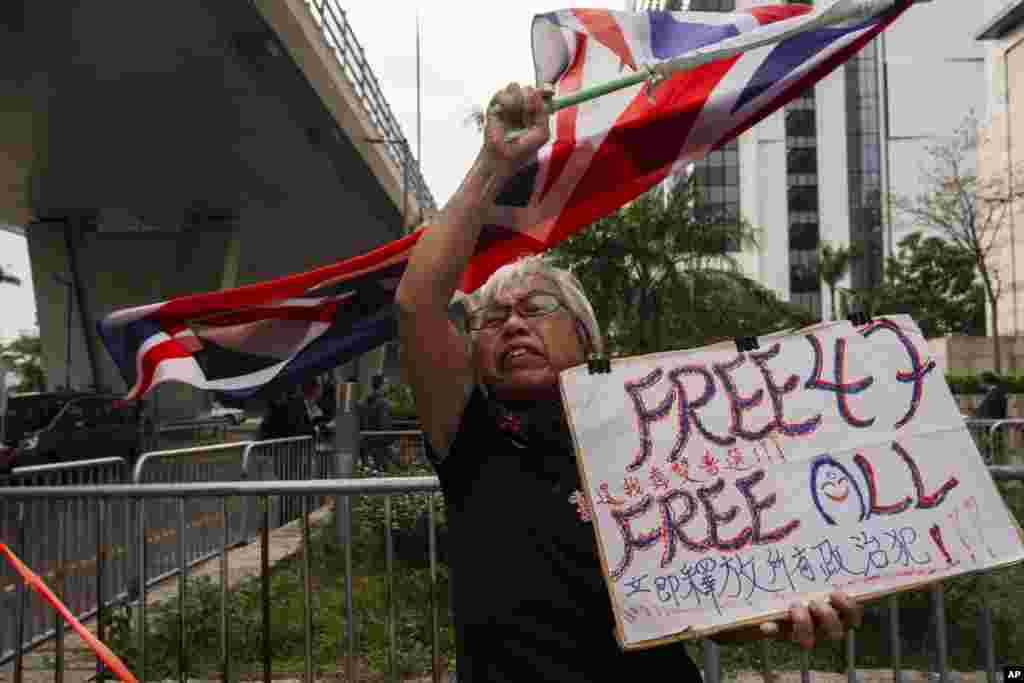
(529, 599)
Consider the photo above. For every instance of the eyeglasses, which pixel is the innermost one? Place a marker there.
(531, 305)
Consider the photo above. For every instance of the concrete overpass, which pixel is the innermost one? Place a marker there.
(154, 149)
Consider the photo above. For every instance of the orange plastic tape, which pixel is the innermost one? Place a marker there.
(102, 651)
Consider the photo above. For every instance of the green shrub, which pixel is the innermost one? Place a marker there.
(972, 384)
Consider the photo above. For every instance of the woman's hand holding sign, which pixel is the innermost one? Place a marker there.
(805, 625)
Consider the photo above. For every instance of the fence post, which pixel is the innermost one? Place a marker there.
(346, 450)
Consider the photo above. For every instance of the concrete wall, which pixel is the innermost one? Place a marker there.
(769, 174)
(49, 256)
(964, 355)
(1001, 167)
(833, 174)
(254, 120)
(23, 115)
(116, 271)
(750, 206)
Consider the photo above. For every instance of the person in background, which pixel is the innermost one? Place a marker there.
(274, 424)
(993, 407)
(312, 392)
(375, 416)
(328, 401)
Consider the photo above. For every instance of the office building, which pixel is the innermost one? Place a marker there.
(819, 170)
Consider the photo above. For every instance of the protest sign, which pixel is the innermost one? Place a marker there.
(726, 485)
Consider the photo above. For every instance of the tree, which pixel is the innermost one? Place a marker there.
(8, 279)
(934, 281)
(969, 211)
(26, 355)
(833, 264)
(660, 275)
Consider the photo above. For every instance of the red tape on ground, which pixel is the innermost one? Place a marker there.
(102, 651)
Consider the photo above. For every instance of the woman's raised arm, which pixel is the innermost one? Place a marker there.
(438, 361)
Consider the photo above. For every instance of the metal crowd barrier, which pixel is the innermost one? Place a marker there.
(184, 434)
(403, 446)
(66, 540)
(995, 438)
(89, 551)
(289, 459)
(187, 495)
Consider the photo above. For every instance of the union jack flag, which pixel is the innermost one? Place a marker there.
(603, 153)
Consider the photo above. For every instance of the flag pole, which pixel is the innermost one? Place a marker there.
(838, 12)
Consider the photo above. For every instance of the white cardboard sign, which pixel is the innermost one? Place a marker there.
(724, 486)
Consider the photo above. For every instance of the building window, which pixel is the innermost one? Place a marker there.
(803, 198)
(803, 235)
(718, 177)
(803, 268)
(803, 160)
(800, 123)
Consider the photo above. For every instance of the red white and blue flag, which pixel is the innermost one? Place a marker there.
(603, 153)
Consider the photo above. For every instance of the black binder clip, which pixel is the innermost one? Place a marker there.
(746, 344)
(859, 319)
(596, 363)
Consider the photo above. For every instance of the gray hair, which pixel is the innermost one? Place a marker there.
(569, 289)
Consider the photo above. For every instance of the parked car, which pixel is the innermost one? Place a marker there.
(235, 416)
(50, 428)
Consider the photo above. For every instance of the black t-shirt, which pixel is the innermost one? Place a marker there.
(529, 598)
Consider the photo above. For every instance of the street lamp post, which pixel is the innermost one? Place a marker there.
(69, 301)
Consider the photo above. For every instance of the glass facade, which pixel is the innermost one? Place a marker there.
(802, 200)
(864, 152)
(718, 177)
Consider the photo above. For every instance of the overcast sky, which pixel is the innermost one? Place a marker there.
(469, 49)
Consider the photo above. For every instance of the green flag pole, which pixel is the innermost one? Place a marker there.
(838, 12)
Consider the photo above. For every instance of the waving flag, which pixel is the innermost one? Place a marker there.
(603, 153)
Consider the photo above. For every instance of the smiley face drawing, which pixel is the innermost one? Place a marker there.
(836, 493)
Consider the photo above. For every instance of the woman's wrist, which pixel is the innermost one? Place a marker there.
(488, 174)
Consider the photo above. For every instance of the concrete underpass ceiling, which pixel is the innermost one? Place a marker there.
(171, 112)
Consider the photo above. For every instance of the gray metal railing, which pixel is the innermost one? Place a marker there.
(392, 446)
(994, 438)
(71, 541)
(338, 34)
(67, 540)
(186, 433)
(186, 495)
